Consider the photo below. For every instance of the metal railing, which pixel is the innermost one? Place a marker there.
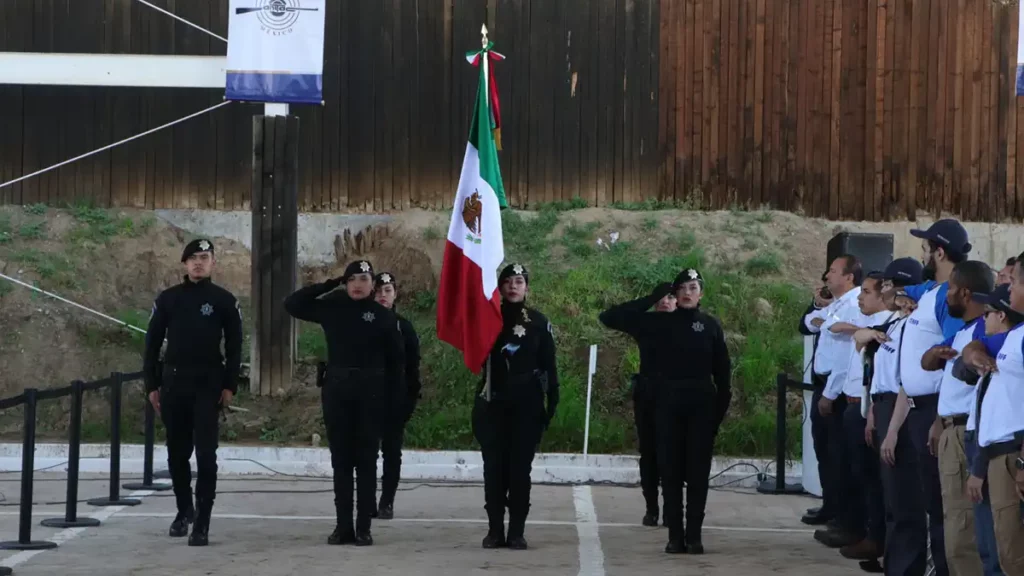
(30, 399)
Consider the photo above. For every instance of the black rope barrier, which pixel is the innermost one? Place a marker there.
(71, 519)
(778, 485)
(114, 499)
(28, 449)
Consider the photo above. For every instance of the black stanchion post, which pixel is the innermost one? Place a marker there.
(147, 463)
(71, 519)
(28, 449)
(778, 485)
(115, 450)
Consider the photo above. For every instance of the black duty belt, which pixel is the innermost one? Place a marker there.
(954, 420)
(924, 401)
(1002, 448)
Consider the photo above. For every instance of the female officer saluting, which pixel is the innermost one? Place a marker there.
(509, 416)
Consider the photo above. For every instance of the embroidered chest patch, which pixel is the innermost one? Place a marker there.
(206, 309)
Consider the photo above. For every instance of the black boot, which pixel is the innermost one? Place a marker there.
(516, 527)
(363, 538)
(343, 534)
(179, 528)
(694, 523)
(201, 528)
(651, 518)
(676, 541)
(385, 511)
(496, 530)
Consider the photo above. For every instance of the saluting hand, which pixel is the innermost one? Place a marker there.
(154, 399)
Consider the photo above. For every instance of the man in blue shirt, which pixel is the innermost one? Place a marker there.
(945, 244)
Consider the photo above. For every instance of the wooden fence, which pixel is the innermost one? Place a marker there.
(866, 110)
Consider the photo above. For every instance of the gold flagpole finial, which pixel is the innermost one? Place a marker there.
(483, 36)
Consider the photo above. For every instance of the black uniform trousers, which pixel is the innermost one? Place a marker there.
(687, 422)
(644, 417)
(846, 510)
(919, 422)
(189, 408)
(906, 547)
(865, 489)
(391, 439)
(820, 427)
(509, 428)
(351, 412)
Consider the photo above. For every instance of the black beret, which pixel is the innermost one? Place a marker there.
(688, 275)
(357, 267)
(514, 269)
(195, 246)
(385, 278)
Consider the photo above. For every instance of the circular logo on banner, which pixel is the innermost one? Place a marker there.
(277, 17)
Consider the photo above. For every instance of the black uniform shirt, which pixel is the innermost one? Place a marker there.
(526, 344)
(681, 345)
(193, 316)
(412, 359)
(361, 334)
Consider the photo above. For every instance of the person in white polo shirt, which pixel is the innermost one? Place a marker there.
(866, 520)
(998, 319)
(1001, 426)
(843, 278)
(944, 244)
(955, 399)
(903, 512)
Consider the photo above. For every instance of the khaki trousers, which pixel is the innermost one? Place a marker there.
(1006, 512)
(958, 510)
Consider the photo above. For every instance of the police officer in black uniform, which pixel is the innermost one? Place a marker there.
(393, 431)
(509, 416)
(194, 381)
(645, 401)
(365, 365)
(690, 361)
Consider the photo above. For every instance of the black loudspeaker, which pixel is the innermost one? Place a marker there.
(873, 250)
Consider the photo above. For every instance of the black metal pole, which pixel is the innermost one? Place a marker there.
(115, 449)
(779, 486)
(28, 449)
(147, 463)
(71, 519)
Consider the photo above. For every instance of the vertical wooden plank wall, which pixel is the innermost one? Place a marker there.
(873, 110)
(847, 110)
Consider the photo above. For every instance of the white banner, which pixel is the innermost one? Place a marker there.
(276, 51)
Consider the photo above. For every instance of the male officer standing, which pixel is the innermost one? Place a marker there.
(690, 361)
(509, 417)
(386, 288)
(645, 402)
(365, 365)
(195, 380)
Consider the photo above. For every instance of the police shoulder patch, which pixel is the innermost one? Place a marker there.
(238, 306)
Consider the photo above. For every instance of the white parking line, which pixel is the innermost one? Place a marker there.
(591, 555)
(68, 534)
(318, 518)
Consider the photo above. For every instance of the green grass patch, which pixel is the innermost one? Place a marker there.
(55, 270)
(571, 287)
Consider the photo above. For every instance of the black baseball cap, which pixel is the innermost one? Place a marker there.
(947, 233)
(904, 272)
(998, 299)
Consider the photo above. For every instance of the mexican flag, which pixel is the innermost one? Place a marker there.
(468, 304)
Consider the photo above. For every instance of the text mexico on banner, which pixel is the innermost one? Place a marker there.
(276, 51)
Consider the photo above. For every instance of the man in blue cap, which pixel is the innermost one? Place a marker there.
(944, 245)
